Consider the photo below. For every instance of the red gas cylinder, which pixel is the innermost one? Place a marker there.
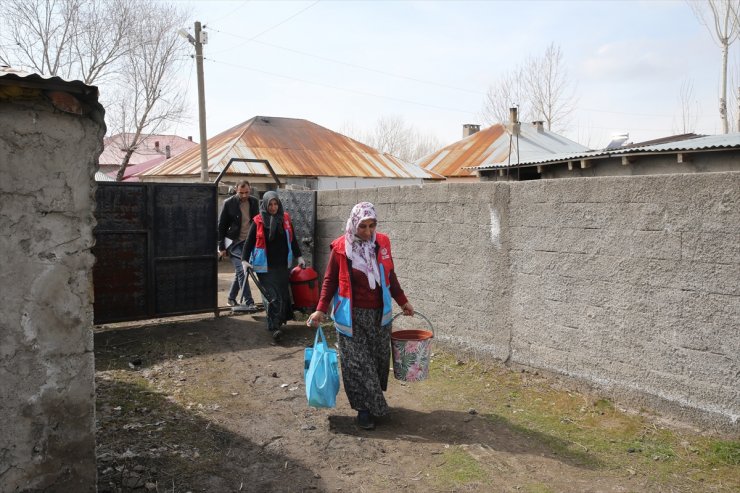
(304, 284)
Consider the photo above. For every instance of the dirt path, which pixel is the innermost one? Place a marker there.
(212, 404)
(229, 409)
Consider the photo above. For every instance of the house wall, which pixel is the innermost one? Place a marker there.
(653, 164)
(47, 394)
(629, 284)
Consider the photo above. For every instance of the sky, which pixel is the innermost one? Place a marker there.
(347, 63)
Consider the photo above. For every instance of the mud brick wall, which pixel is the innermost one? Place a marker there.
(47, 395)
(629, 284)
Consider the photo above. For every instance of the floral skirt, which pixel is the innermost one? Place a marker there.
(365, 359)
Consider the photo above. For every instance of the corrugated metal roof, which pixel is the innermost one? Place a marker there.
(293, 147)
(81, 91)
(690, 144)
(493, 146)
(721, 141)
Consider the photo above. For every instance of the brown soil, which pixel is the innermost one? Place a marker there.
(211, 404)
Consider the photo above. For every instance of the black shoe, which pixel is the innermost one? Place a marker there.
(277, 334)
(365, 420)
(232, 302)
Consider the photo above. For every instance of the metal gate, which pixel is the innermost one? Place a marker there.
(301, 205)
(155, 250)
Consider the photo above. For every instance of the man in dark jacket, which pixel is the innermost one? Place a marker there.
(233, 226)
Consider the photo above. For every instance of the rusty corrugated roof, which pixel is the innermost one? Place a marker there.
(293, 147)
(495, 147)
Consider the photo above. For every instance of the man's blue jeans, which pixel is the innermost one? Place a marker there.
(235, 254)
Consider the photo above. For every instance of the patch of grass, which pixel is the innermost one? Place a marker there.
(725, 453)
(587, 430)
(536, 488)
(133, 393)
(458, 469)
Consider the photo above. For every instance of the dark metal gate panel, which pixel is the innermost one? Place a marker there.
(301, 205)
(154, 250)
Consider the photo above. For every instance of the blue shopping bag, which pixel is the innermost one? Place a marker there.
(322, 376)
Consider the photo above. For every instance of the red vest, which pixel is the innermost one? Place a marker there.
(258, 259)
(342, 304)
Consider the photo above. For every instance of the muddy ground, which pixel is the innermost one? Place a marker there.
(211, 404)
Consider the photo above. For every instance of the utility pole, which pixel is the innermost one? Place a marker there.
(201, 103)
(198, 41)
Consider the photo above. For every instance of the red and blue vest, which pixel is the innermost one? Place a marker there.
(341, 311)
(258, 259)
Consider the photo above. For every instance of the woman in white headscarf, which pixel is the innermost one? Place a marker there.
(271, 247)
(359, 283)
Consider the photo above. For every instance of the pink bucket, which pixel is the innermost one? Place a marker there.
(412, 350)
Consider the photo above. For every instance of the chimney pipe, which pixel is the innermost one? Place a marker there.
(539, 125)
(167, 151)
(469, 129)
(190, 138)
(514, 124)
(156, 145)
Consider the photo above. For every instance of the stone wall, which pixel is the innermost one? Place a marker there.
(47, 395)
(630, 284)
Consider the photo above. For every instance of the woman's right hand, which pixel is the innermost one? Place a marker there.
(315, 319)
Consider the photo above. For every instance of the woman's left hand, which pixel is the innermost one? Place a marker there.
(408, 310)
(315, 319)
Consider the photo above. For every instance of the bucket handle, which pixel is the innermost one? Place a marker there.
(431, 327)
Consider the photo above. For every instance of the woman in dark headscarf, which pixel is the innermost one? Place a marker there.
(271, 247)
(359, 283)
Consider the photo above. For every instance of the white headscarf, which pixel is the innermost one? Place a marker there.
(362, 253)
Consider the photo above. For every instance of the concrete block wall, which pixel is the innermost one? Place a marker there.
(633, 284)
(450, 251)
(627, 283)
(47, 395)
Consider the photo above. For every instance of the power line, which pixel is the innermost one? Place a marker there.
(353, 65)
(190, 78)
(229, 13)
(271, 27)
(362, 93)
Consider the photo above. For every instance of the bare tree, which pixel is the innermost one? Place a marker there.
(721, 19)
(41, 33)
(689, 108)
(508, 92)
(391, 134)
(149, 98)
(80, 39)
(540, 87)
(129, 48)
(551, 92)
(423, 145)
(103, 37)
